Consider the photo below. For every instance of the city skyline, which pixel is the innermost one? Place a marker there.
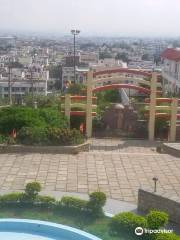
(157, 18)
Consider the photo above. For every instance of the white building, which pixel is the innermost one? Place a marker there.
(171, 70)
(68, 75)
(108, 63)
(27, 81)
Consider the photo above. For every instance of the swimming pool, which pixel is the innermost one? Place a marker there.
(23, 229)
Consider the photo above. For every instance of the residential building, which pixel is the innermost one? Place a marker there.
(171, 70)
(32, 80)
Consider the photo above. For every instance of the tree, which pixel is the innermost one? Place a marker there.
(105, 54)
(145, 57)
(77, 89)
(122, 56)
(16, 65)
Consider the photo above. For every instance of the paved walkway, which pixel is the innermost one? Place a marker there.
(118, 173)
(123, 146)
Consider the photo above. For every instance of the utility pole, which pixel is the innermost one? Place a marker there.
(9, 83)
(32, 86)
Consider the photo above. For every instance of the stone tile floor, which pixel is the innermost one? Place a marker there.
(119, 173)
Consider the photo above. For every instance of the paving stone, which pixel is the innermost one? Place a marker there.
(119, 173)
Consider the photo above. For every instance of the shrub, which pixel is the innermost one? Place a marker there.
(167, 236)
(18, 117)
(73, 203)
(3, 139)
(156, 219)
(53, 118)
(10, 199)
(49, 136)
(127, 222)
(32, 189)
(32, 136)
(76, 89)
(64, 136)
(45, 201)
(96, 202)
(42, 101)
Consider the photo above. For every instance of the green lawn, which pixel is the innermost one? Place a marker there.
(99, 227)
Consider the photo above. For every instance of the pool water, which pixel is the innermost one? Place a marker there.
(23, 229)
(22, 236)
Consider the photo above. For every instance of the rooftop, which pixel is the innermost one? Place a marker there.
(171, 54)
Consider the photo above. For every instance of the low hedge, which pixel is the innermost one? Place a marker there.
(11, 199)
(49, 136)
(45, 201)
(127, 222)
(31, 197)
(73, 204)
(167, 236)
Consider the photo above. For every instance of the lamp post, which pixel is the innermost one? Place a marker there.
(75, 32)
(155, 179)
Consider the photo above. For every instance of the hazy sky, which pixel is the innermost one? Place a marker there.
(101, 17)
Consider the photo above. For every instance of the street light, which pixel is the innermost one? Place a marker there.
(75, 32)
(155, 179)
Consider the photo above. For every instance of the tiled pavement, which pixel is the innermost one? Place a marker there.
(123, 146)
(118, 173)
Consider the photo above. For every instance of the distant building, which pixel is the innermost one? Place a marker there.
(68, 75)
(7, 42)
(171, 70)
(69, 60)
(89, 58)
(108, 63)
(27, 81)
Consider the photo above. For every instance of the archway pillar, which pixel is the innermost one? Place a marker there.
(89, 104)
(152, 107)
(67, 106)
(174, 110)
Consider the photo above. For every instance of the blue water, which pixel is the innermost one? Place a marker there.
(23, 229)
(22, 236)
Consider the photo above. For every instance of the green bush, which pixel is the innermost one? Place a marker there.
(156, 219)
(53, 118)
(10, 199)
(64, 136)
(42, 101)
(49, 136)
(167, 236)
(96, 203)
(127, 222)
(73, 203)
(45, 201)
(76, 89)
(3, 139)
(18, 117)
(32, 189)
(32, 136)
